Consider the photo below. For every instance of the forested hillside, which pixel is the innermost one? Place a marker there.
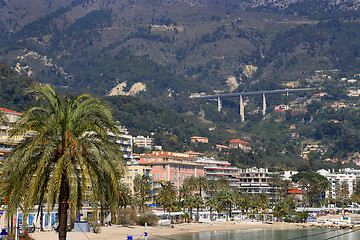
(158, 53)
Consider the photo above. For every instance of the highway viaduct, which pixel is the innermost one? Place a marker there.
(240, 95)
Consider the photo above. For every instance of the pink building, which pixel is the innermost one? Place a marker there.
(169, 166)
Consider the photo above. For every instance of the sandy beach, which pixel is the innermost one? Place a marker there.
(120, 233)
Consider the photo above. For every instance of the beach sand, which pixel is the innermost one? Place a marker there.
(120, 233)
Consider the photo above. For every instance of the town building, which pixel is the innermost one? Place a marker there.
(133, 169)
(281, 108)
(255, 180)
(196, 139)
(125, 141)
(6, 144)
(145, 142)
(237, 143)
(170, 166)
(222, 147)
(337, 180)
(216, 169)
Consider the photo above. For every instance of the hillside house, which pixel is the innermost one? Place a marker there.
(281, 108)
(237, 143)
(197, 139)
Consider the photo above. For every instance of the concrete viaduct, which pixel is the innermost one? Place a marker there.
(263, 93)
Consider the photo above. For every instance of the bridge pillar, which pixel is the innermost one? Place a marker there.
(219, 104)
(264, 105)
(242, 112)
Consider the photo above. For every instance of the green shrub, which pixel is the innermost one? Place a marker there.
(148, 217)
(127, 217)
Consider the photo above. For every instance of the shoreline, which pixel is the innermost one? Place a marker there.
(119, 232)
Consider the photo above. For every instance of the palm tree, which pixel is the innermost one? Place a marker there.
(67, 149)
(227, 198)
(142, 188)
(211, 203)
(191, 183)
(243, 201)
(199, 202)
(167, 197)
(3, 119)
(202, 184)
(189, 203)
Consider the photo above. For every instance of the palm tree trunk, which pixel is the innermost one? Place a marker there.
(230, 210)
(197, 213)
(41, 219)
(190, 209)
(63, 206)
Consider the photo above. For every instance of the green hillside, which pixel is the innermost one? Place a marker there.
(158, 53)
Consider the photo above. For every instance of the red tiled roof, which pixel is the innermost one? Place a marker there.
(238, 141)
(295, 191)
(9, 111)
(221, 146)
(191, 152)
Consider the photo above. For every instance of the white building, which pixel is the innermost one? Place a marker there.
(336, 180)
(255, 180)
(215, 169)
(145, 142)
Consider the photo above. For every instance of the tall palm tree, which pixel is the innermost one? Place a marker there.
(142, 188)
(167, 197)
(67, 149)
(189, 203)
(202, 184)
(211, 203)
(199, 202)
(227, 199)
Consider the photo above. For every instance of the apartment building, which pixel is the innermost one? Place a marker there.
(124, 141)
(133, 169)
(6, 144)
(255, 180)
(145, 142)
(170, 166)
(336, 179)
(215, 169)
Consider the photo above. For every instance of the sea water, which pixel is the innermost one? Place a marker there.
(261, 234)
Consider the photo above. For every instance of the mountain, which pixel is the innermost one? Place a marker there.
(195, 45)
(163, 51)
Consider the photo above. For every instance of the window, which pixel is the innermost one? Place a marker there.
(163, 166)
(164, 176)
(136, 172)
(158, 176)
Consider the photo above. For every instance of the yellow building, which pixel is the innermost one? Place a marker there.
(133, 169)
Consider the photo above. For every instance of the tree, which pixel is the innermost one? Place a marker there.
(167, 197)
(355, 197)
(211, 203)
(283, 208)
(199, 202)
(202, 184)
(226, 198)
(342, 192)
(66, 149)
(189, 203)
(3, 119)
(142, 188)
